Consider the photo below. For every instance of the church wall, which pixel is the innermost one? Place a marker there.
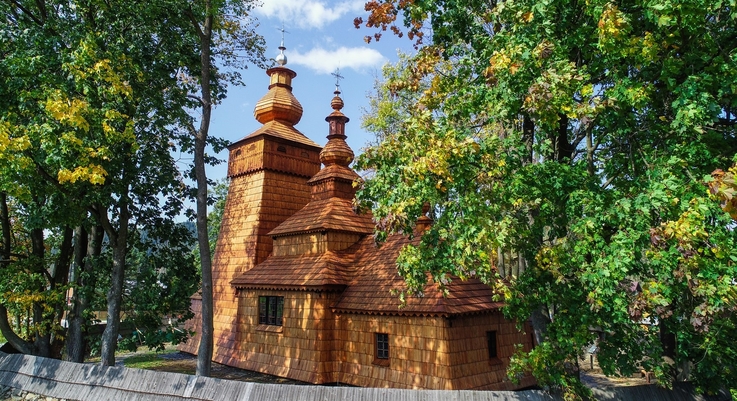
(313, 243)
(472, 368)
(255, 205)
(300, 349)
(418, 352)
(194, 324)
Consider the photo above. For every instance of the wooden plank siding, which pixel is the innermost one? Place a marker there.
(87, 382)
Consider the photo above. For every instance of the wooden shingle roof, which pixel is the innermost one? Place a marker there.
(376, 277)
(335, 171)
(279, 129)
(334, 214)
(329, 270)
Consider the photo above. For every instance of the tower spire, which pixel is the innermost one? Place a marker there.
(281, 59)
(338, 77)
(335, 180)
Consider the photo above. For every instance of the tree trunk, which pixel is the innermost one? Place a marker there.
(59, 278)
(590, 153)
(563, 148)
(528, 137)
(500, 262)
(204, 353)
(538, 319)
(10, 336)
(5, 250)
(40, 319)
(118, 241)
(75, 351)
(60, 274)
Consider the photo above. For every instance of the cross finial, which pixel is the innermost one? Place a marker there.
(281, 59)
(283, 31)
(338, 77)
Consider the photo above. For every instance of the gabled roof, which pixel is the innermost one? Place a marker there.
(329, 270)
(334, 214)
(376, 276)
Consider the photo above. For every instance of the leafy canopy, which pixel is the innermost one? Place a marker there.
(567, 147)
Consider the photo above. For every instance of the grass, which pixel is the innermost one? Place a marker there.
(151, 360)
(145, 361)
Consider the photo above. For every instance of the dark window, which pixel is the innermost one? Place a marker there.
(270, 310)
(282, 149)
(382, 346)
(491, 342)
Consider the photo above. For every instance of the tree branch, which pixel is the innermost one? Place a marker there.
(105, 222)
(197, 98)
(188, 12)
(27, 12)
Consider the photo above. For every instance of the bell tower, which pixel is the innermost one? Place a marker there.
(268, 171)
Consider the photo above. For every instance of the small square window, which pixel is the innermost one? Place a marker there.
(382, 346)
(270, 310)
(491, 343)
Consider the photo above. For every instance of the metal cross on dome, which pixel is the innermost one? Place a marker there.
(338, 77)
(283, 31)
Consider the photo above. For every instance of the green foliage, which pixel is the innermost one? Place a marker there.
(218, 194)
(160, 278)
(579, 137)
(94, 97)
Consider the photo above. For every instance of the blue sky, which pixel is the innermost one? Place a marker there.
(321, 37)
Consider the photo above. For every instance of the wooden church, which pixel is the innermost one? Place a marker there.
(302, 291)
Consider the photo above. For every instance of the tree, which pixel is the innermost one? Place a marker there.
(91, 111)
(224, 31)
(576, 138)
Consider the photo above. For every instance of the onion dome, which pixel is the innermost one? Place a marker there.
(279, 103)
(336, 151)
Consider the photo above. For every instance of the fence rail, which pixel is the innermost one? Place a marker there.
(87, 382)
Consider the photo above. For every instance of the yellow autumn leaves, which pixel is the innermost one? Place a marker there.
(10, 145)
(68, 111)
(82, 132)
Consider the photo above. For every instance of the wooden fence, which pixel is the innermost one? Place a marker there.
(83, 382)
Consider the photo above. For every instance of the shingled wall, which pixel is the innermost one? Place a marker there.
(258, 200)
(468, 351)
(299, 349)
(425, 352)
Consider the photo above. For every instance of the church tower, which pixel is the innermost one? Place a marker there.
(268, 172)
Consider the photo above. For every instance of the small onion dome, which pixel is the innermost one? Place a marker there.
(337, 102)
(281, 58)
(279, 103)
(424, 222)
(336, 151)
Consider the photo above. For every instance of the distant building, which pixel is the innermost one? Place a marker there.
(302, 291)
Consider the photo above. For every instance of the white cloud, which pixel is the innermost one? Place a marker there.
(309, 13)
(326, 61)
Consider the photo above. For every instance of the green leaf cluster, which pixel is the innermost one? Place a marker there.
(565, 149)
